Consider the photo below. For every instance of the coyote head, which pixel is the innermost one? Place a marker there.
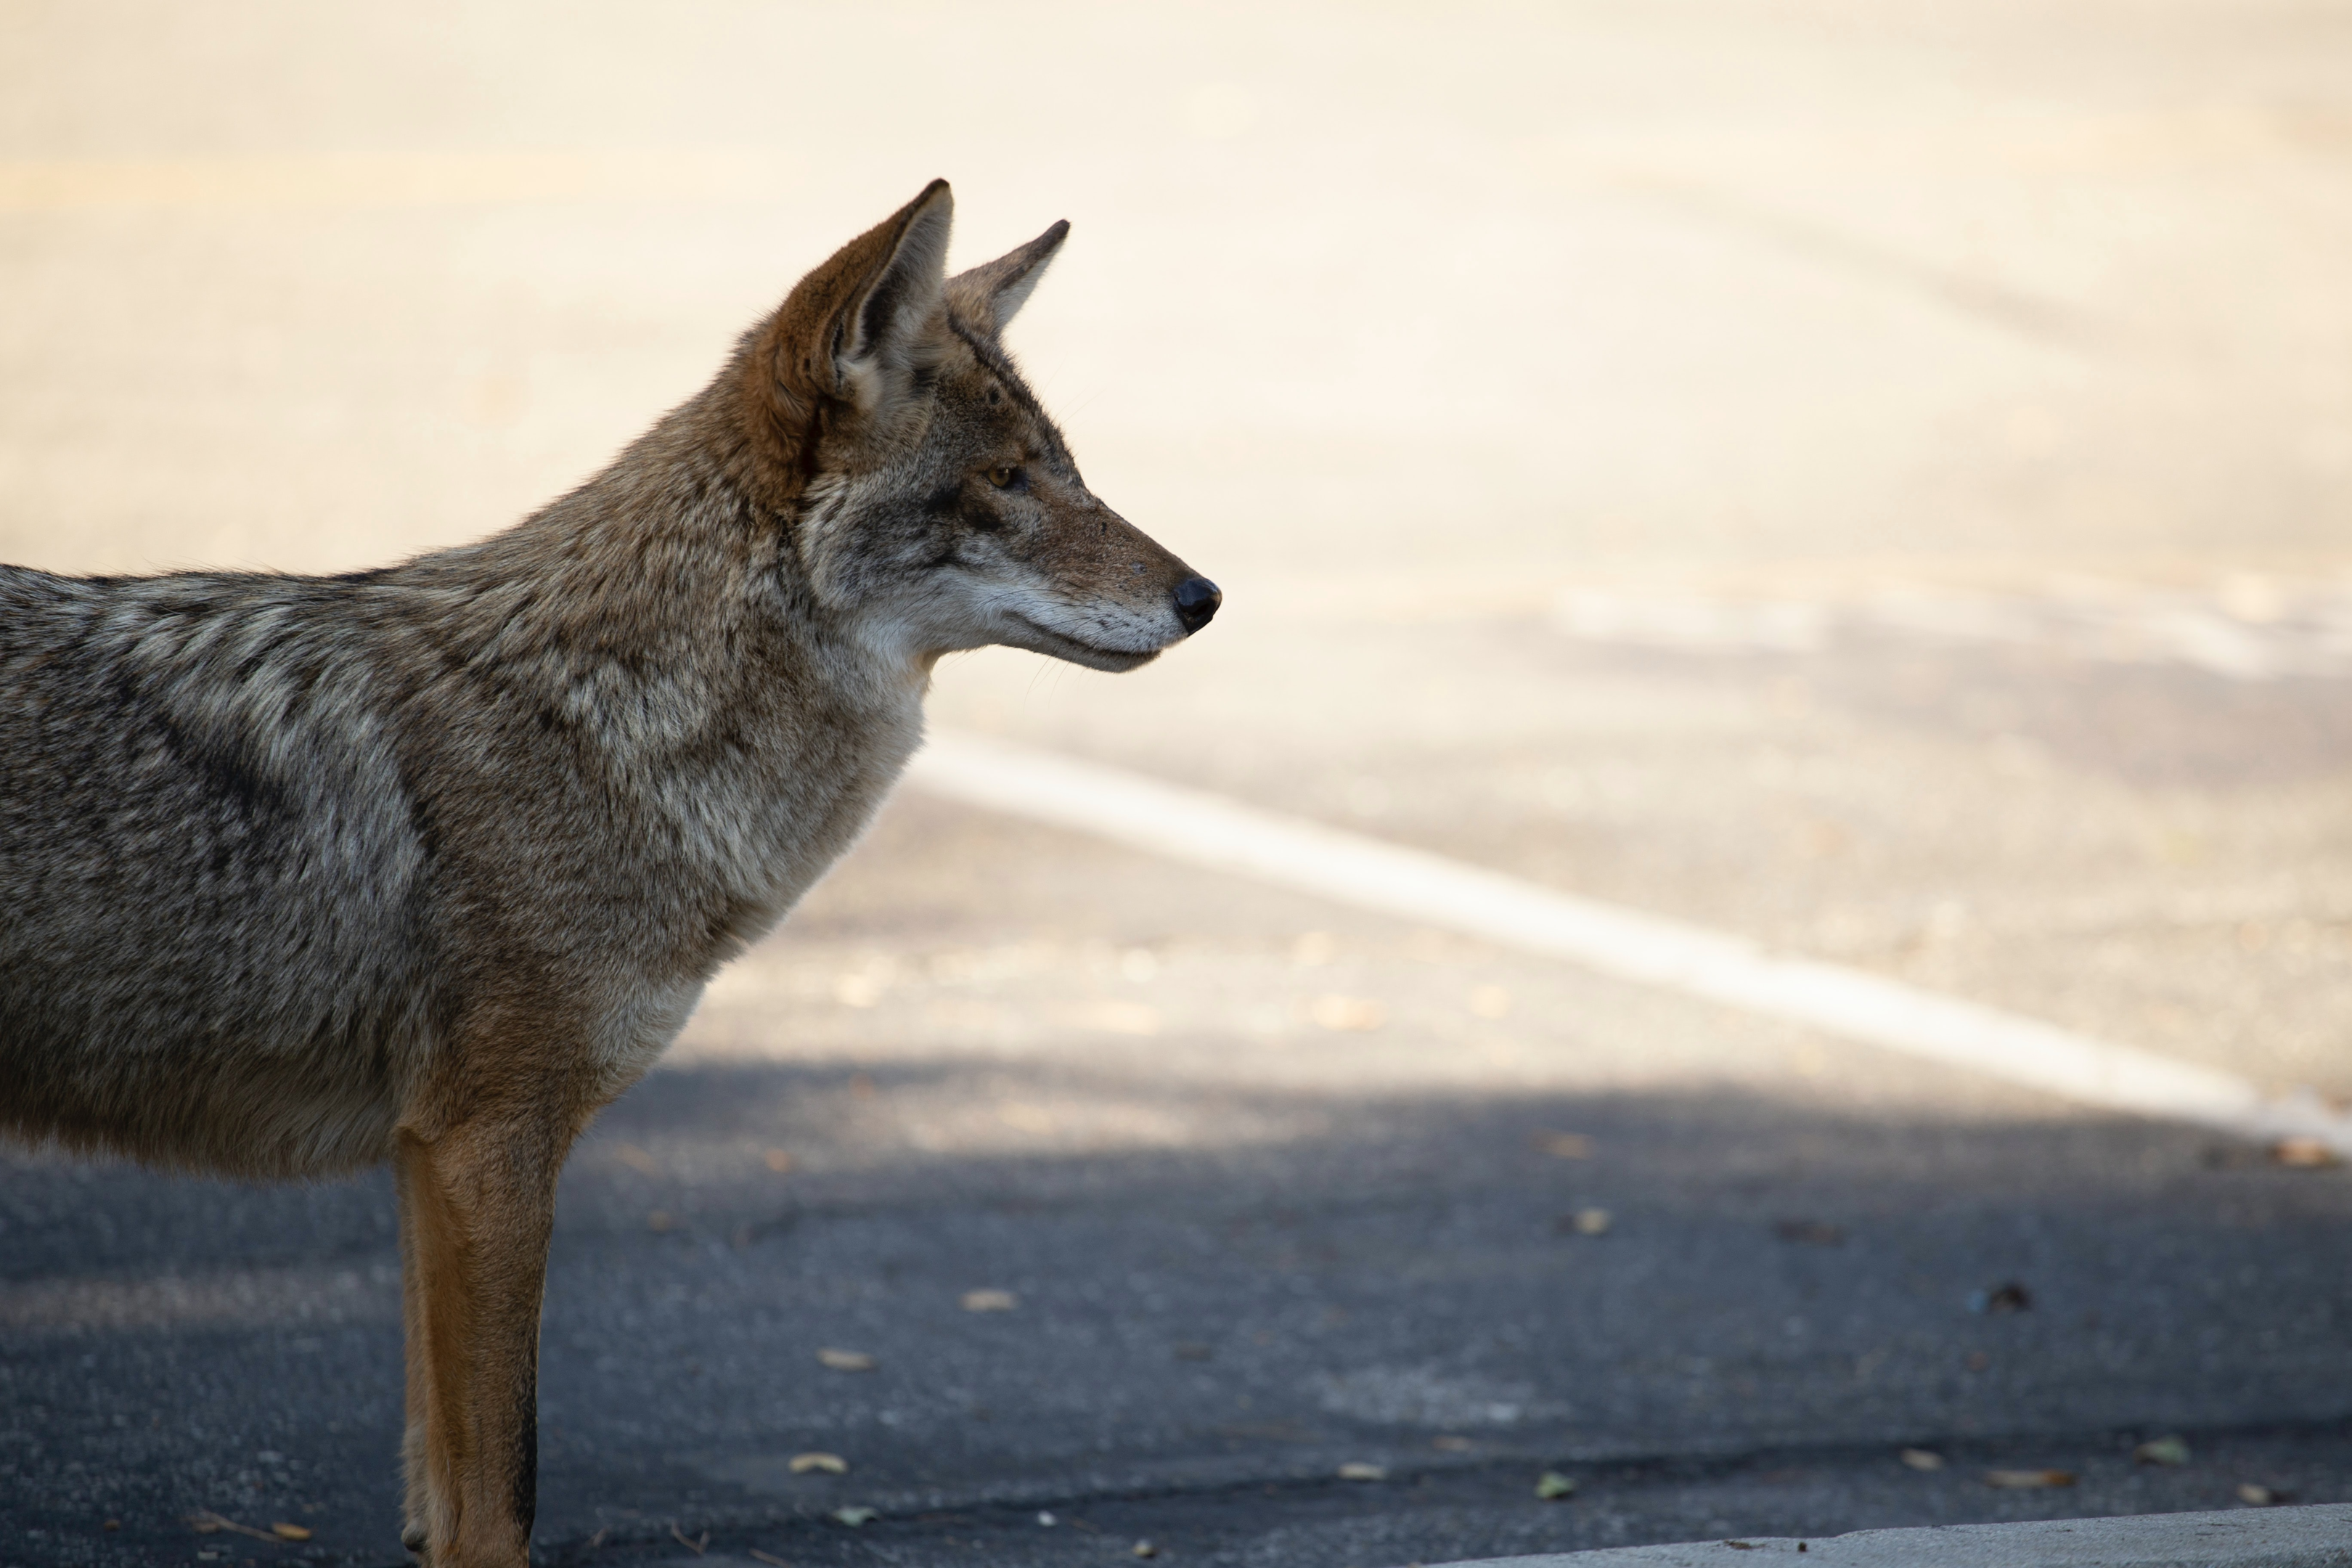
(935, 506)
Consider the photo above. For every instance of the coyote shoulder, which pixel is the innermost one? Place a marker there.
(426, 863)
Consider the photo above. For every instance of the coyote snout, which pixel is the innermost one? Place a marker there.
(427, 864)
(1058, 573)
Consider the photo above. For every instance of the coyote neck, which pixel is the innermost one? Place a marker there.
(657, 620)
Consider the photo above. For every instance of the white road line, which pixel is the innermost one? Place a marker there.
(1209, 830)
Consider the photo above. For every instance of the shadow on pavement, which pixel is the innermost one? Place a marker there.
(1707, 1309)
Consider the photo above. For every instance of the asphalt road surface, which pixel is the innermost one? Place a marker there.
(1872, 480)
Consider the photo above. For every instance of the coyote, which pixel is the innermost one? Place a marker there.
(428, 863)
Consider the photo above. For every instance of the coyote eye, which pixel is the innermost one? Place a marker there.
(1009, 478)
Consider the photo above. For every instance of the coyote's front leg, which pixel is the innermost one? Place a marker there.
(477, 1205)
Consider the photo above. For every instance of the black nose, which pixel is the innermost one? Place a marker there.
(1196, 603)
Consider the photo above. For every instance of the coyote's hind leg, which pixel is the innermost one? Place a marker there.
(477, 1205)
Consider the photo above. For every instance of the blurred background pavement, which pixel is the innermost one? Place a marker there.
(1877, 479)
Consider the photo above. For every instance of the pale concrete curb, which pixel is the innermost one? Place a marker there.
(2242, 1538)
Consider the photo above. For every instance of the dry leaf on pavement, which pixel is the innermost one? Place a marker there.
(2304, 1154)
(207, 1523)
(2029, 1480)
(831, 1464)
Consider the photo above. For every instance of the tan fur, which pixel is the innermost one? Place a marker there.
(427, 864)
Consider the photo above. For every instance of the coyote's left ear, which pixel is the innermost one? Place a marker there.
(879, 338)
(988, 295)
(856, 331)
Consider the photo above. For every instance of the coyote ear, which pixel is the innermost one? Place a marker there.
(989, 294)
(854, 330)
(877, 340)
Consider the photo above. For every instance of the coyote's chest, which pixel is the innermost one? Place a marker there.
(746, 868)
